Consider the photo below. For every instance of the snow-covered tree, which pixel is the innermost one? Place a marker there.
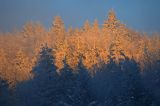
(22, 66)
(58, 30)
(45, 62)
(86, 26)
(41, 86)
(120, 84)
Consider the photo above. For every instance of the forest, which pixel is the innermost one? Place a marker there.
(95, 65)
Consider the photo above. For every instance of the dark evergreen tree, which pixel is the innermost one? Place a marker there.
(40, 88)
(45, 63)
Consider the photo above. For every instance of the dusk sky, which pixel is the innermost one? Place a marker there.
(142, 15)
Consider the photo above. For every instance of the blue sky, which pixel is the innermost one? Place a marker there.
(142, 15)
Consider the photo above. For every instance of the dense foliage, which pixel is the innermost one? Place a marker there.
(108, 65)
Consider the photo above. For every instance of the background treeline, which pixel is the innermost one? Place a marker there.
(108, 65)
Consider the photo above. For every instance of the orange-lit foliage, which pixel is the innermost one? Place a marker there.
(96, 45)
(22, 66)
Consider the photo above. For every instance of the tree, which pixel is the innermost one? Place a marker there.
(136, 93)
(58, 30)
(45, 63)
(3, 64)
(95, 26)
(32, 30)
(60, 54)
(95, 34)
(86, 26)
(22, 66)
(41, 87)
(116, 51)
(120, 84)
(111, 22)
(90, 59)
